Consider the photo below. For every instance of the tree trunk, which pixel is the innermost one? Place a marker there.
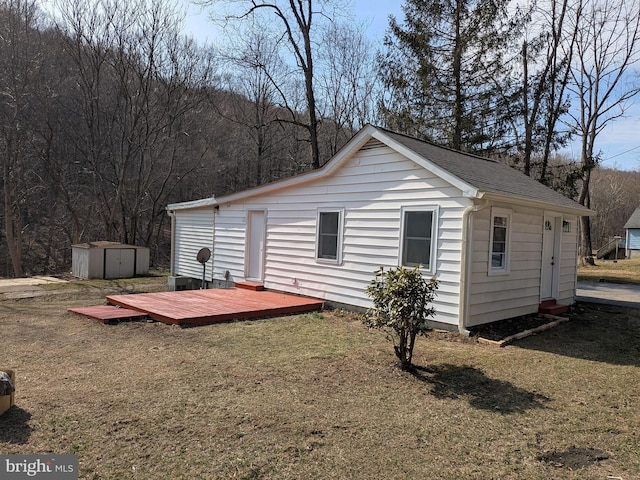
(13, 226)
(458, 105)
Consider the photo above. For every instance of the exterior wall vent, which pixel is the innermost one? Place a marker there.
(373, 144)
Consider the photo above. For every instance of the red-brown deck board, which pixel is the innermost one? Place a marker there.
(108, 313)
(202, 307)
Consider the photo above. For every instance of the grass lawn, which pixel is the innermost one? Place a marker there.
(622, 271)
(318, 396)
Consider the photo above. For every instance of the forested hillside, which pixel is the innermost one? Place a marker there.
(108, 112)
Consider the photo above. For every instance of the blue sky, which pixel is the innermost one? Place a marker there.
(619, 142)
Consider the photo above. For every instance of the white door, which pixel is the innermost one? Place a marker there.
(255, 244)
(550, 258)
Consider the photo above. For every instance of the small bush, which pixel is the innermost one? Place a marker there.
(401, 307)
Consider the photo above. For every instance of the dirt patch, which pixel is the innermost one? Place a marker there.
(573, 458)
(502, 329)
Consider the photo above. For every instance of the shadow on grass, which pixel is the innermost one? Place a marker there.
(471, 384)
(600, 333)
(14, 426)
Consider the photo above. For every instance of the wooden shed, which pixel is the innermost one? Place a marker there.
(500, 244)
(106, 260)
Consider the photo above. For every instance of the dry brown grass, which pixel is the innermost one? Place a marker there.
(622, 271)
(319, 396)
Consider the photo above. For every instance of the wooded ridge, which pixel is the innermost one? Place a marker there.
(108, 113)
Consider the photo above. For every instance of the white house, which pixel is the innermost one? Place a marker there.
(498, 242)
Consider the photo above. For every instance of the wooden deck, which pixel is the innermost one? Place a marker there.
(203, 307)
(108, 313)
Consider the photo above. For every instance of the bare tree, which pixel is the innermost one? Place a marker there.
(297, 25)
(606, 48)
(347, 82)
(543, 76)
(139, 83)
(20, 62)
(255, 70)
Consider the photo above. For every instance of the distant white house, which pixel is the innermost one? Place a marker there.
(632, 234)
(498, 242)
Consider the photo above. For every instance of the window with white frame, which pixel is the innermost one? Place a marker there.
(329, 239)
(418, 239)
(499, 242)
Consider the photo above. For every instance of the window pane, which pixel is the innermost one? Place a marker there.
(417, 252)
(328, 247)
(499, 234)
(416, 242)
(418, 224)
(328, 235)
(499, 243)
(500, 221)
(329, 223)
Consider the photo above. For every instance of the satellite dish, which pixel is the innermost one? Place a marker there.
(204, 255)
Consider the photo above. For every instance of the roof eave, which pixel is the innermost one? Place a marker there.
(202, 203)
(578, 210)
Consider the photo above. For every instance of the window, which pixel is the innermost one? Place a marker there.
(499, 242)
(418, 237)
(329, 235)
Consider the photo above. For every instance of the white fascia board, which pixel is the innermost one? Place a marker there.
(579, 210)
(205, 202)
(467, 190)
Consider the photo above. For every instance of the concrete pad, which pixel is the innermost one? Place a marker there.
(26, 283)
(618, 294)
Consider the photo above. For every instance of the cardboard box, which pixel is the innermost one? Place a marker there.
(6, 401)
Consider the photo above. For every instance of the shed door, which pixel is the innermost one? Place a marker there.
(119, 263)
(550, 258)
(255, 245)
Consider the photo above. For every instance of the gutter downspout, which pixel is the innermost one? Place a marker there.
(465, 264)
(216, 209)
(172, 215)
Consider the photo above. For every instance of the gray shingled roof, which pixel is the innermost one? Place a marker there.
(634, 220)
(484, 174)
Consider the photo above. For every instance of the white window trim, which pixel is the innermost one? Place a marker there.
(506, 269)
(338, 259)
(435, 218)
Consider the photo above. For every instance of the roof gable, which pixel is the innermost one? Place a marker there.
(634, 220)
(475, 176)
(486, 175)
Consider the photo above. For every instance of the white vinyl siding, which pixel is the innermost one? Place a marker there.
(372, 188)
(230, 246)
(194, 230)
(496, 297)
(568, 263)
